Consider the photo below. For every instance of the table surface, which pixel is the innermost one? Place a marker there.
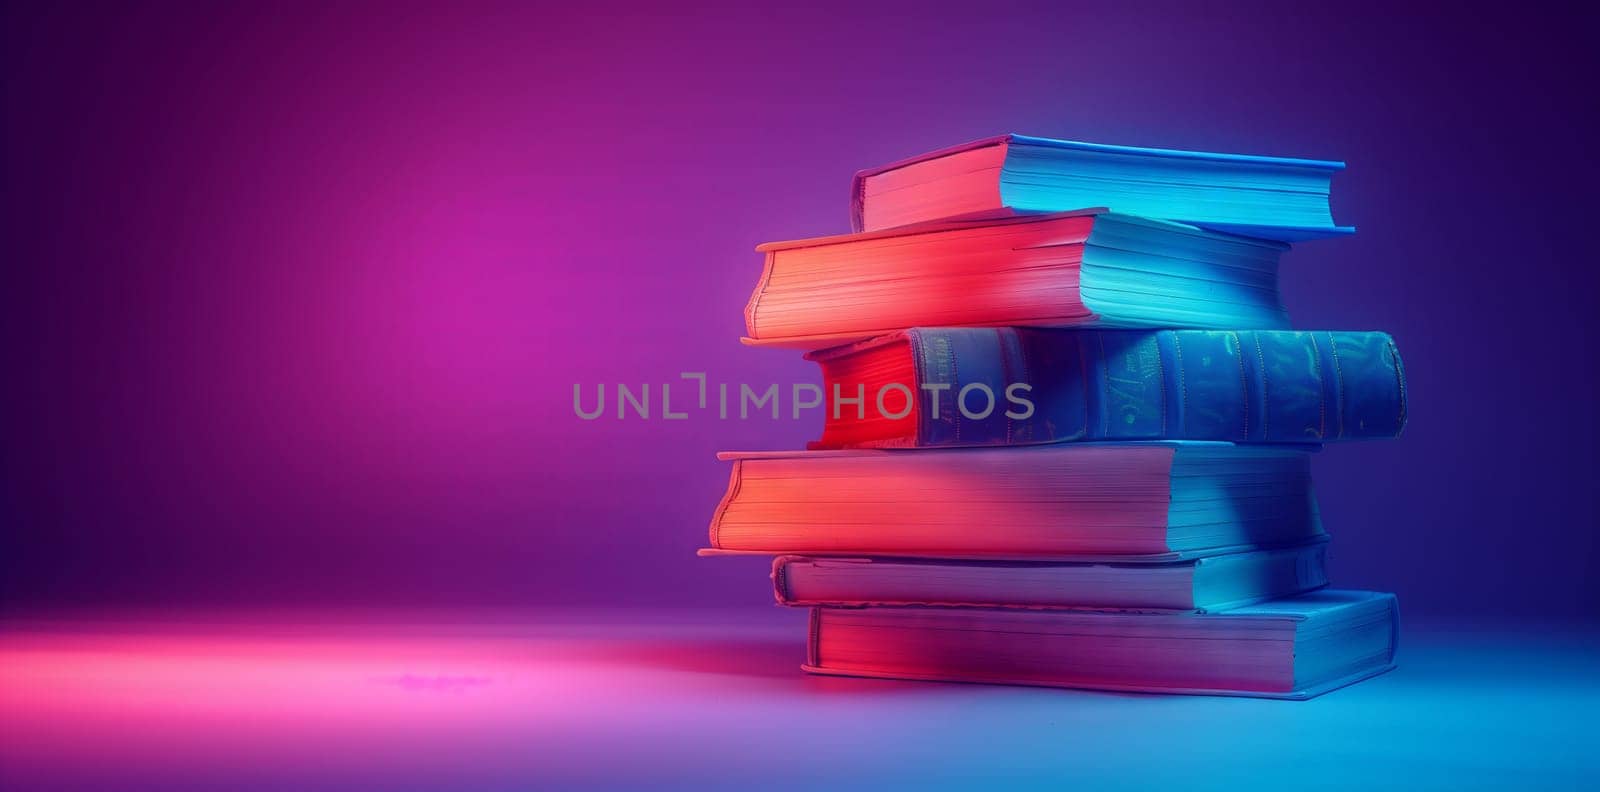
(705, 700)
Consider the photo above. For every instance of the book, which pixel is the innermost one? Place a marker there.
(1267, 197)
(1293, 648)
(1085, 268)
(928, 387)
(1138, 500)
(1196, 585)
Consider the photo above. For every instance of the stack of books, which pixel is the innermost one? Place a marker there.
(1067, 429)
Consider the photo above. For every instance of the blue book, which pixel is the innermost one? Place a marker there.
(986, 386)
(1278, 198)
(1292, 648)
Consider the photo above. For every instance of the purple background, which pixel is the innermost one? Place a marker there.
(296, 300)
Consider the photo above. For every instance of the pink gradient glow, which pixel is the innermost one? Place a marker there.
(296, 298)
(243, 694)
(675, 700)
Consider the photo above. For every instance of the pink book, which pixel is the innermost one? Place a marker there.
(1291, 648)
(1146, 501)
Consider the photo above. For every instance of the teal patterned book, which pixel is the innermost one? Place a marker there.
(983, 386)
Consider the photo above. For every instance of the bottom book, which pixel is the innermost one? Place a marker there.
(1293, 648)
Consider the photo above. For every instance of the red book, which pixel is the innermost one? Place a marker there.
(1071, 269)
(1141, 500)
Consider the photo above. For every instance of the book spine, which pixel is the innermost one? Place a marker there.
(1276, 386)
(734, 481)
(780, 579)
(858, 201)
(755, 296)
(858, 183)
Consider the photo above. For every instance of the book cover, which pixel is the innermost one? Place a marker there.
(1025, 503)
(1088, 268)
(1281, 198)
